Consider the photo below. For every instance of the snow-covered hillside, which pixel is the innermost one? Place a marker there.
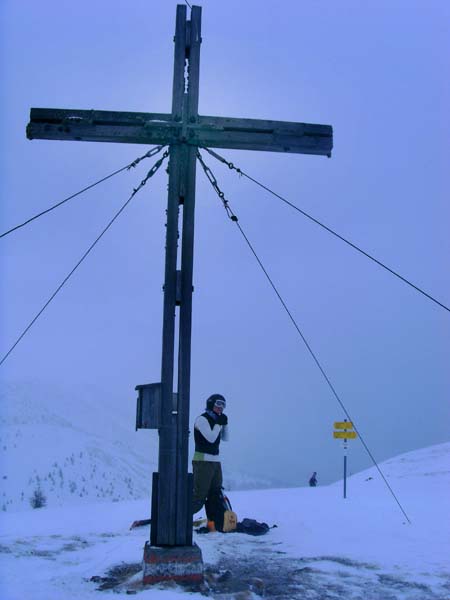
(323, 548)
(65, 443)
(75, 448)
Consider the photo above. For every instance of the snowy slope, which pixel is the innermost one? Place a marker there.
(65, 443)
(324, 547)
(71, 445)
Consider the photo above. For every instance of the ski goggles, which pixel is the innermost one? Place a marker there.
(220, 403)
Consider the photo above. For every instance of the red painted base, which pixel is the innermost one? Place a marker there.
(183, 564)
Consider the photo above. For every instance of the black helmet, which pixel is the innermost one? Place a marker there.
(212, 400)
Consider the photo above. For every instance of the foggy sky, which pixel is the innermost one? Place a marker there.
(378, 73)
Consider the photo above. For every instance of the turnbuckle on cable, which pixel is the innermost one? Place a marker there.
(210, 175)
(229, 164)
(148, 154)
(153, 170)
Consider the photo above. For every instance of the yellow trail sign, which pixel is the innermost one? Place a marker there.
(343, 425)
(349, 435)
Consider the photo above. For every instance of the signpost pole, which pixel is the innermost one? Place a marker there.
(345, 463)
(346, 434)
(345, 472)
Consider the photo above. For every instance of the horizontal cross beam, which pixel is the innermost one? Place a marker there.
(157, 128)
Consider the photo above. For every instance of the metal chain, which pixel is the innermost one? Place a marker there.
(152, 171)
(210, 175)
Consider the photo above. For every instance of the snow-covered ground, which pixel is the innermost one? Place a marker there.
(323, 547)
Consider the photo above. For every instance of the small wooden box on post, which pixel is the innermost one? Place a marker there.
(183, 130)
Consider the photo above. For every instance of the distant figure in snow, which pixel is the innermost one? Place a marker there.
(313, 480)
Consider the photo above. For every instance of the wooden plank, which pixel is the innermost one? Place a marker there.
(108, 133)
(161, 133)
(158, 128)
(101, 126)
(264, 125)
(195, 32)
(167, 461)
(345, 435)
(260, 134)
(179, 63)
(105, 117)
(188, 173)
(268, 142)
(166, 526)
(100, 117)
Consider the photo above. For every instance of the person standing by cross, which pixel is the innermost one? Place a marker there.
(210, 428)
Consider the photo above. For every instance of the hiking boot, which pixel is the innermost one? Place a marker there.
(211, 526)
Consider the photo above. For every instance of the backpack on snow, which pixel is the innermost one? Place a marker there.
(218, 509)
(252, 527)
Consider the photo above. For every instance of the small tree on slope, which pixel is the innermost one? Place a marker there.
(38, 499)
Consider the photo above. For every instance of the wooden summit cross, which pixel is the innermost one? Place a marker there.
(183, 131)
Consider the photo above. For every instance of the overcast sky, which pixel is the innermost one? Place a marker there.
(377, 71)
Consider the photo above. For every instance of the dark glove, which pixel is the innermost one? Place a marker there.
(222, 419)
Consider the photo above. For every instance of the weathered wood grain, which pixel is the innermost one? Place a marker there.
(158, 128)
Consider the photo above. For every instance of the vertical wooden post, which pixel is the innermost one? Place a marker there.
(166, 508)
(174, 517)
(190, 114)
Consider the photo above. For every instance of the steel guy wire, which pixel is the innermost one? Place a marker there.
(342, 238)
(234, 218)
(133, 164)
(152, 171)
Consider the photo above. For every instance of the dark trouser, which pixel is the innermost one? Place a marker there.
(207, 480)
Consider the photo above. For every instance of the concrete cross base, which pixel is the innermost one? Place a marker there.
(183, 564)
